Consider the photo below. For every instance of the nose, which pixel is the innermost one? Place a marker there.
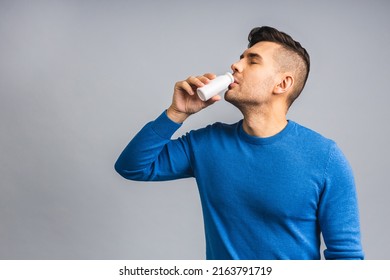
(236, 67)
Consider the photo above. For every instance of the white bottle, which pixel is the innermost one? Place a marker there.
(217, 86)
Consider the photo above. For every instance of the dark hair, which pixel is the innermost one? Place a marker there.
(270, 34)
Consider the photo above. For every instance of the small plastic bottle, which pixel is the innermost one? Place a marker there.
(217, 86)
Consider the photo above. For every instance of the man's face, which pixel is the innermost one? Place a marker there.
(255, 75)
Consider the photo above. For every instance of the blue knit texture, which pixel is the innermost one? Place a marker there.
(262, 198)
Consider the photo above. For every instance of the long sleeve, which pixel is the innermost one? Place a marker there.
(152, 156)
(338, 210)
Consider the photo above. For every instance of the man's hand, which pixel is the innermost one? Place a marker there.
(185, 101)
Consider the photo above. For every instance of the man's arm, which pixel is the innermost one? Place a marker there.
(338, 210)
(151, 154)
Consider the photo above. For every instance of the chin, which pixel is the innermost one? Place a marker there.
(232, 98)
(229, 95)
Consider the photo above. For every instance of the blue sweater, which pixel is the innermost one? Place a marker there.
(262, 198)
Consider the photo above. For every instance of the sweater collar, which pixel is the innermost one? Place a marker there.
(264, 140)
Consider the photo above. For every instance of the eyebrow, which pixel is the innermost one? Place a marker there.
(251, 55)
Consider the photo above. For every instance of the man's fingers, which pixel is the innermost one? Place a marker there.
(210, 76)
(212, 100)
(192, 83)
(206, 78)
(195, 81)
(184, 86)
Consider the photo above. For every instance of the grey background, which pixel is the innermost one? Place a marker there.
(79, 78)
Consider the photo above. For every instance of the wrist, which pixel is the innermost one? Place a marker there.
(176, 116)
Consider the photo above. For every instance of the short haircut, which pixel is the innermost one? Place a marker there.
(293, 55)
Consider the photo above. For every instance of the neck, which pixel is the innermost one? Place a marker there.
(264, 123)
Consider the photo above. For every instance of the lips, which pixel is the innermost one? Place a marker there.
(235, 80)
(232, 85)
(235, 83)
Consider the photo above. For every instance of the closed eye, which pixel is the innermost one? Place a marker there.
(253, 58)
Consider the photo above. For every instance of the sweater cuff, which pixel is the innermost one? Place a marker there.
(164, 126)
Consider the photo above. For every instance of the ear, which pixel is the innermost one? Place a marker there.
(285, 85)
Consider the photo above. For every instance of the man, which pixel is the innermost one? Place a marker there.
(268, 186)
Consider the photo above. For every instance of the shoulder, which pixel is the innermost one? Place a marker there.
(311, 137)
(216, 129)
(316, 140)
(324, 151)
(313, 144)
(310, 133)
(212, 136)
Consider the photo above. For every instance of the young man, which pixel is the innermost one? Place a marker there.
(268, 186)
